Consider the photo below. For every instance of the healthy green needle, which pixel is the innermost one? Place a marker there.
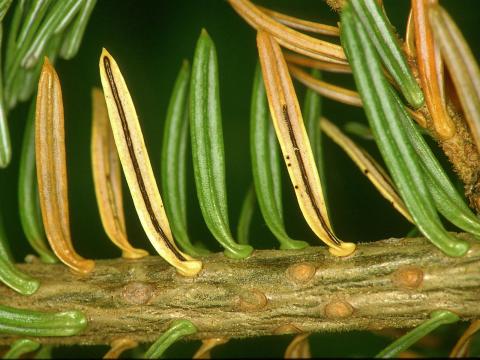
(207, 147)
(176, 331)
(174, 162)
(9, 274)
(22, 322)
(28, 193)
(265, 153)
(382, 35)
(74, 34)
(384, 116)
(20, 348)
(437, 318)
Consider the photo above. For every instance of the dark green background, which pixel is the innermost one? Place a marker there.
(149, 39)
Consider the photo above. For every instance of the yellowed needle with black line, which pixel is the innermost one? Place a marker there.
(137, 168)
(297, 153)
(107, 178)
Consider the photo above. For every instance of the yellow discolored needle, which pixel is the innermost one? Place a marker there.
(427, 59)
(204, 351)
(52, 170)
(118, 346)
(297, 153)
(137, 168)
(462, 347)
(289, 38)
(368, 165)
(340, 94)
(107, 178)
(300, 24)
(299, 347)
(301, 60)
(330, 91)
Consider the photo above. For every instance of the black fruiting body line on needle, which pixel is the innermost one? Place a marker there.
(301, 164)
(126, 132)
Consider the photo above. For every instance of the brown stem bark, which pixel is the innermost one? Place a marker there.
(391, 283)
